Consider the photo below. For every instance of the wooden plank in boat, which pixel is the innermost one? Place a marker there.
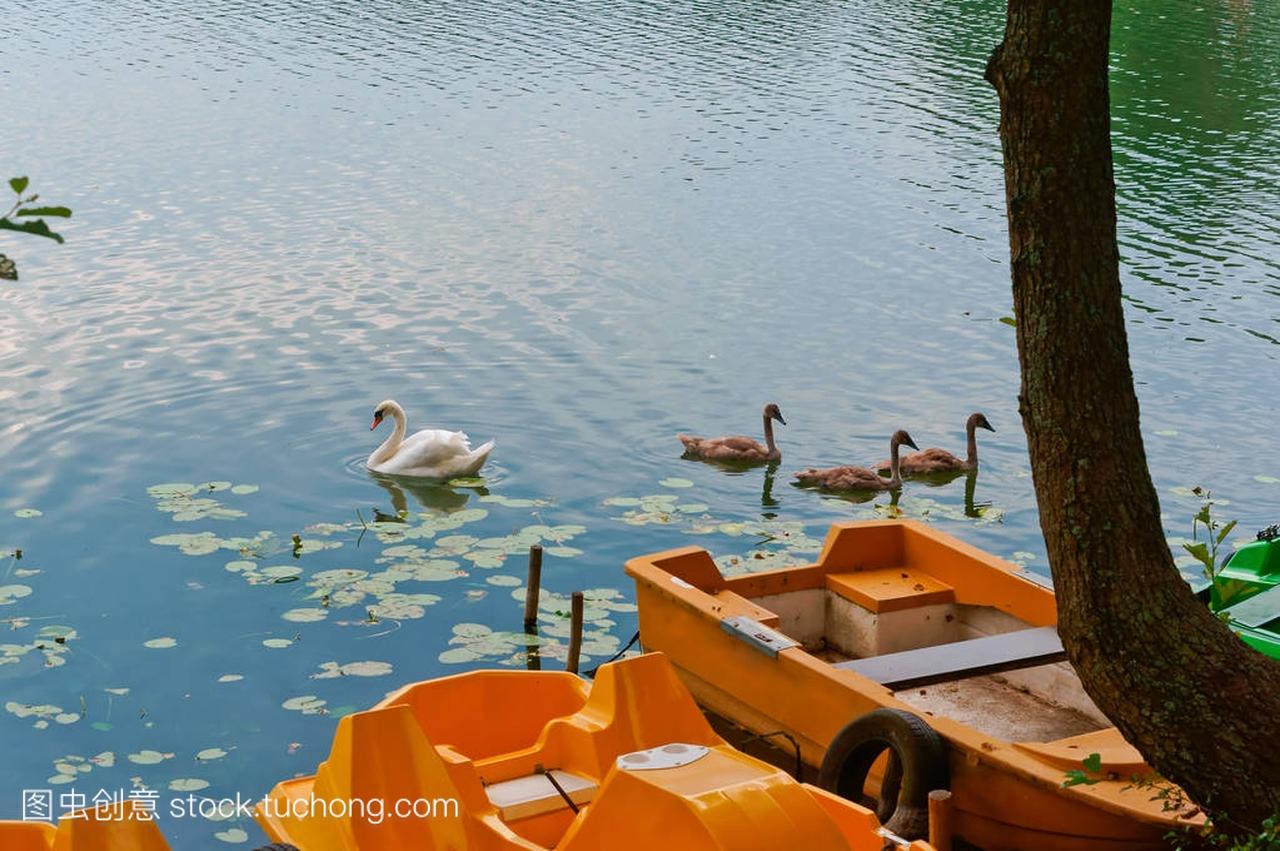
(940, 663)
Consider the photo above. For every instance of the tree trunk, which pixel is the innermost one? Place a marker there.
(1200, 705)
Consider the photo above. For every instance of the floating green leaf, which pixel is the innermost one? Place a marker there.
(331, 670)
(188, 784)
(13, 593)
(675, 482)
(503, 579)
(25, 513)
(160, 643)
(305, 615)
(458, 656)
(307, 704)
(467, 482)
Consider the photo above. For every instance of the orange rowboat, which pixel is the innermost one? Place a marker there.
(903, 640)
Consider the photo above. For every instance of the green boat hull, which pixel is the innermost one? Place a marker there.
(1247, 590)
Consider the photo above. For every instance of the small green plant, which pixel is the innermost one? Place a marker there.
(1076, 777)
(1207, 551)
(24, 218)
(1211, 836)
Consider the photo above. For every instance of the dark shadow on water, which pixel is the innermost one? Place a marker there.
(767, 499)
(855, 497)
(734, 467)
(937, 480)
(428, 493)
(971, 508)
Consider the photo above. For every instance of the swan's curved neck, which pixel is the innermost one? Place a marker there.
(768, 435)
(393, 441)
(895, 479)
(971, 456)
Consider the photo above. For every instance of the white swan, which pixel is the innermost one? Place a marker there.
(431, 453)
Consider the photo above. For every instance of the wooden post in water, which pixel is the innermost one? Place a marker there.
(940, 818)
(575, 633)
(533, 588)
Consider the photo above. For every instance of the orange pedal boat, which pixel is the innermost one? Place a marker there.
(531, 760)
(115, 827)
(905, 660)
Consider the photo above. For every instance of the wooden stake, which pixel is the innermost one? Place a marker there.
(532, 651)
(533, 588)
(940, 819)
(575, 633)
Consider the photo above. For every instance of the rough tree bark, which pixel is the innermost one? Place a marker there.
(1200, 706)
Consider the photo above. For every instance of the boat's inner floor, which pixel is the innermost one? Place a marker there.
(1039, 703)
(1001, 709)
(1007, 710)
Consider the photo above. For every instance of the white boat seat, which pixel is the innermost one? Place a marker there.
(1258, 610)
(991, 654)
(534, 794)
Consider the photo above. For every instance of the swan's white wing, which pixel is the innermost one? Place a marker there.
(432, 446)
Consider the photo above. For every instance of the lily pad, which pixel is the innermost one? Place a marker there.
(210, 754)
(503, 579)
(458, 656)
(232, 835)
(188, 784)
(28, 512)
(307, 704)
(330, 670)
(160, 643)
(13, 593)
(194, 544)
(676, 482)
(277, 643)
(148, 757)
(305, 615)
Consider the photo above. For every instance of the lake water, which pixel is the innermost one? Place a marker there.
(578, 228)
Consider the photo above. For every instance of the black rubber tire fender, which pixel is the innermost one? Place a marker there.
(917, 766)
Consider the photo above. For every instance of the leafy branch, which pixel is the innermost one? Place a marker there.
(24, 218)
(1206, 551)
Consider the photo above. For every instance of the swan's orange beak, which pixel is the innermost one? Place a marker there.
(377, 421)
